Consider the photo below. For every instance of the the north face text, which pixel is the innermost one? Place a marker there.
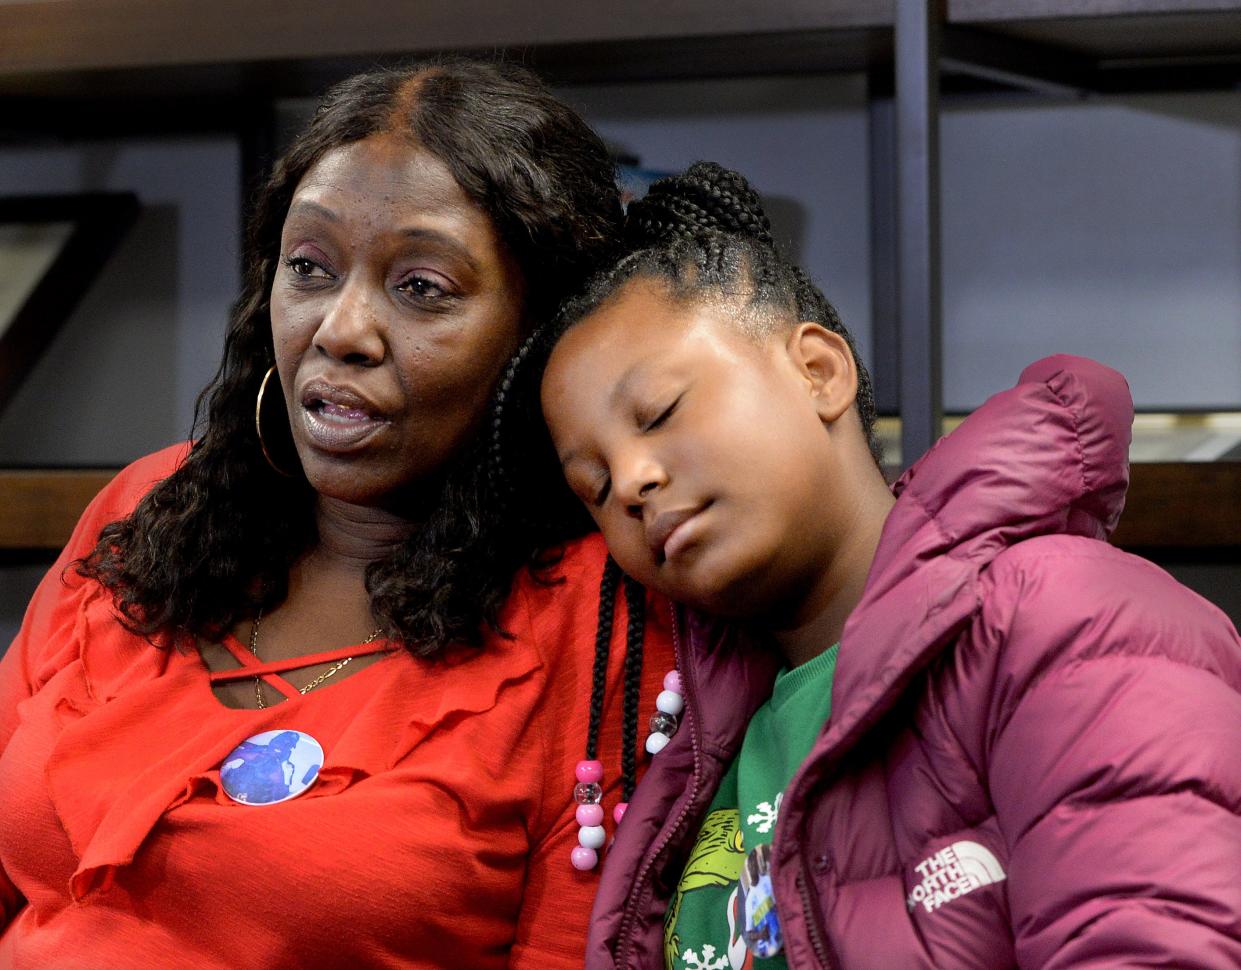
(952, 872)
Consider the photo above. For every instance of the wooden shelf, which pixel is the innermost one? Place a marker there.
(1181, 505)
(58, 35)
(39, 508)
(1077, 11)
(98, 50)
(1175, 505)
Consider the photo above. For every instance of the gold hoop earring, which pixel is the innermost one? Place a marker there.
(258, 423)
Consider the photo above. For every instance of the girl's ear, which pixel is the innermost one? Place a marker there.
(823, 360)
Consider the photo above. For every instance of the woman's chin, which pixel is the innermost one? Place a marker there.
(371, 485)
(345, 481)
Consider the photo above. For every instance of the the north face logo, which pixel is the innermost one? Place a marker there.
(959, 869)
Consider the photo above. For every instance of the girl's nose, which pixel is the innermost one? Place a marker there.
(351, 330)
(637, 480)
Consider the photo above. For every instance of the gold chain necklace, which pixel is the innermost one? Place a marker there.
(258, 681)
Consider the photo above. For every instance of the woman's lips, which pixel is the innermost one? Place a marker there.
(342, 412)
(336, 429)
(338, 419)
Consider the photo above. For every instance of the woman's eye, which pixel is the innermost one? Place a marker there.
(305, 268)
(423, 288)
(601, 493)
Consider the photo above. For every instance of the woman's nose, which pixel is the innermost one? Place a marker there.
(351, 330)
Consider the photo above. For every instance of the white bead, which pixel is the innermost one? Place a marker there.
(670, 702)
(656, 742)
(591, 836)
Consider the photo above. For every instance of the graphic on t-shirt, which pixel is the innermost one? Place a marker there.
(716, 861)
(761, 925)
(706, 925)
(765, 814)
(735, 956)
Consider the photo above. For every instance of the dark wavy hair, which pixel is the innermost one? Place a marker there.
(703, 235)
(213, 543)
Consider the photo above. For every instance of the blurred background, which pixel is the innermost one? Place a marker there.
(974, 185)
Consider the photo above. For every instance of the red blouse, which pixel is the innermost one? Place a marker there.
(437, 834)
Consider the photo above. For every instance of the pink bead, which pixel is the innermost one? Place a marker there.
(584, 858)
(619, 811)
(588, 815)
(672, 682)
(589, 771)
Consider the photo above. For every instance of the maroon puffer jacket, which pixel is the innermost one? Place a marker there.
(1034, 755)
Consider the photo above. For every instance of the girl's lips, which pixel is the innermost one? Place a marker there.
(680, 537)
(671, 531)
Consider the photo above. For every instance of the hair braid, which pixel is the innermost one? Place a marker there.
(705, 233)
(603, 646)
(707, 198)
(702, 233)
(635, 605)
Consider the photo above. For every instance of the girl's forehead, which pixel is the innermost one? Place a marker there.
(645, 310)
(642, 333)
(630, 325)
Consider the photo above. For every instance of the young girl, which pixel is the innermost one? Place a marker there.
(949, 725)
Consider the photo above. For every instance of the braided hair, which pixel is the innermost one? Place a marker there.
(635, 631)
(704, 236)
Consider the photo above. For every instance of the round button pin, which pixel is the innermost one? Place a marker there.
(271, 767)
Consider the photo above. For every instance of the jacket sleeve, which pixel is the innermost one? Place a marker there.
(1113, 763)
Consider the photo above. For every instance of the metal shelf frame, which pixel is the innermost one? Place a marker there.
(108, 67)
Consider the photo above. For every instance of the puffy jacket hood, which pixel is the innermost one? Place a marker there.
(1048, 456)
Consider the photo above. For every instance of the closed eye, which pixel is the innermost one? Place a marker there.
(592, 487)
(663, 415)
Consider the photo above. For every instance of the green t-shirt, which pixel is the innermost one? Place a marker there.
(702, 930)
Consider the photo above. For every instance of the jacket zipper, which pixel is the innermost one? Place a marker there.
(630, 914)
(809, 904)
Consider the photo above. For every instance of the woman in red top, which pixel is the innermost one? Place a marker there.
(281, 701)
